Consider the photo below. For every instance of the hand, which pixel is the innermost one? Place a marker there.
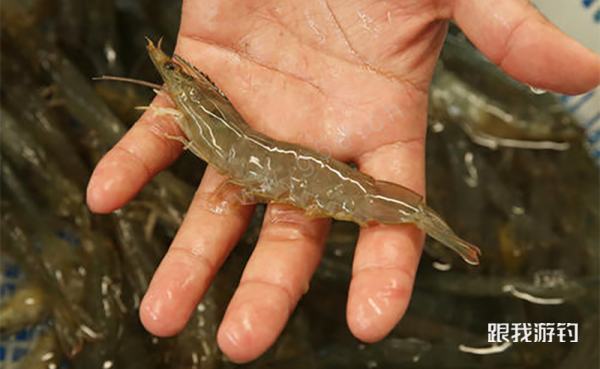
(351, 76)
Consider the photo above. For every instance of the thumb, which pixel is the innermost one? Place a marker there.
(516, 37)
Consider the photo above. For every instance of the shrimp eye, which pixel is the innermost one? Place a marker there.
(169, 66)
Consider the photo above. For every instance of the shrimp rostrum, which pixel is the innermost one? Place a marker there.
(281, 172)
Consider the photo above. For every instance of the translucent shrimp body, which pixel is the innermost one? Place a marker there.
(275, 171)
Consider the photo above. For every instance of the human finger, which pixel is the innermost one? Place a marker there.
(386, 256)
(141, 154)
(277, 275)
(203, 242)
(514, 35)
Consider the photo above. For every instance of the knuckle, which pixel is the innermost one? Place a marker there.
(287, 224)
(134, 157)
(290, 296)
(394, 281)
(196, 256)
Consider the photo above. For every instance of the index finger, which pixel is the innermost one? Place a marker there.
(141, 154)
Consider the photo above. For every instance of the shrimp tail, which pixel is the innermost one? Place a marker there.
(430, 222)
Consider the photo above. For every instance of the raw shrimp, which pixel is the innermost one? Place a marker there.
(27, 307)
(281, 172)
(44, 353)
(493, 109)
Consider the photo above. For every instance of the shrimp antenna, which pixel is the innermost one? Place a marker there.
(129, 80)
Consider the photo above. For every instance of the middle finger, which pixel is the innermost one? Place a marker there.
(196, 254)
(287, 253)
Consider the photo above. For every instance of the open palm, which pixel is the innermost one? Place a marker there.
(346, 78)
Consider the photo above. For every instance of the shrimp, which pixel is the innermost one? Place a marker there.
(44, 353)
(27, 307)
(281, 172)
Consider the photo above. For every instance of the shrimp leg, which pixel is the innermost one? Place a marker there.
(187, 144)
(228, 193)
(161, 111)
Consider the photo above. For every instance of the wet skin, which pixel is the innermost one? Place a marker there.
(304, 73)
